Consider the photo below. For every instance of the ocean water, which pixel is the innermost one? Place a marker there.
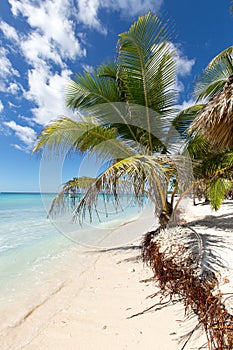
(34, 250)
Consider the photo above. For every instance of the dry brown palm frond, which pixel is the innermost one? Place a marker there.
(215, 120)
(186, 266)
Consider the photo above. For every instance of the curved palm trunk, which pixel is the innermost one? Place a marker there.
(165, 215)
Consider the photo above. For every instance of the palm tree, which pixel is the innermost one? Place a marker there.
(215, 119)
(210, 143)
(125, 114)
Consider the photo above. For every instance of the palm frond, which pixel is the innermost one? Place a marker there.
(161, 79)
(89, 89)
(215, 120)
(215, 75)
(213, 173)
(184, 118)
(146, 66)
(138, 175)
(198, 147)
(217, 190)
(108, 70)
(66, 134)
(75, 187)
(60, 133)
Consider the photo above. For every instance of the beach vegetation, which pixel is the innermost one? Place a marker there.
(184, 263)
(210, 133)
(126, 115)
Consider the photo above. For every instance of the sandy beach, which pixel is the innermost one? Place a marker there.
(92, 308)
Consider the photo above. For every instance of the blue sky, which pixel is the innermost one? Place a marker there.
(45, 42)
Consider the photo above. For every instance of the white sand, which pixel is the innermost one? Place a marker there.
(91, 310)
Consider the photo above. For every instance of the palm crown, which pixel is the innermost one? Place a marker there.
(126, 114)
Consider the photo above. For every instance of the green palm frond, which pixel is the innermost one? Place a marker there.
(184, 118)
(198, 147)
(215, 164)
(78, 183)
(162, 95)
(217, 190)
(108, 70)
(89, 89)
(146, 67)
(60, 134)
(66, 134)
(216, 75)
(213, 173)
(221, 57)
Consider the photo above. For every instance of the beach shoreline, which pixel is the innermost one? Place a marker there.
(92, 309)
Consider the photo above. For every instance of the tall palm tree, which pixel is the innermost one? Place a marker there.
(125, 113)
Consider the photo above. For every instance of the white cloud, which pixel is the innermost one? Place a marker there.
(26, 134)
(52, 38)
(183, 63)
(89, 10)
(131, 8)
(47, 90)
(8, 31)
(186, 104)
(20, 148)
(7, 70)
(53, 31)
(88, 14)
(37, 49)
(1, 106)
(13, 88)
(87, 68)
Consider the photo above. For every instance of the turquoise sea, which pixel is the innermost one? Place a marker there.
(34, 250)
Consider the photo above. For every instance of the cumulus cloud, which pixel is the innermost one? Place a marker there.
(88, 14)
(50, 41)
(54, 36)
(9, 31)
(14, 88)
(89, 10)
(47, 90)
(37, 50)
(53, 29)
(7, 70)
(184, 64)
(26, 134)
(132, 7)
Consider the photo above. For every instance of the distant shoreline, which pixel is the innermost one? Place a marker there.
(19, 192)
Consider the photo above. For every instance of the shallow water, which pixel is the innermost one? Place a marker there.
(34, 252)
